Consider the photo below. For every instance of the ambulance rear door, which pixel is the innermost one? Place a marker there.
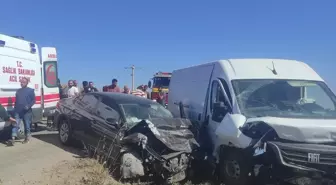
(50, 89)
(19, 58)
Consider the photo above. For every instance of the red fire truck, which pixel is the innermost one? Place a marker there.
(161, 82)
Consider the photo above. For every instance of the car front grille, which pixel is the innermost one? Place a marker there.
(317, 156)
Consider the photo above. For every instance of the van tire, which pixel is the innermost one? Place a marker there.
(234, 168)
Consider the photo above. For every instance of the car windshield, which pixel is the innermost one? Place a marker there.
(285, 98)
(134, 113)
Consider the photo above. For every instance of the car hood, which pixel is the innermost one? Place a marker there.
(301, 130)
(174, 133)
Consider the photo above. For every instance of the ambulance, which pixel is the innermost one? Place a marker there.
(20, 58)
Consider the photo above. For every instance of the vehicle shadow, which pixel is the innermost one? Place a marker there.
(52, 138)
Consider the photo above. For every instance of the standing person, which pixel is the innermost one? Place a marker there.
(75, 83)
(146, 91)
(126, 90)
(86, 88)
(92, 87)
(161, 97)
(139, 92)
(73, 90)
(114, 87)
(66, 89)
(25, 99)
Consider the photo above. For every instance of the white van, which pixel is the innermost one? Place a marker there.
(20, 58)
(259, 113)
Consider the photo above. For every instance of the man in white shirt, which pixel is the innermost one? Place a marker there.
(73, 90)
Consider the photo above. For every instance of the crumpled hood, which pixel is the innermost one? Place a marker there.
(174, 133)
(301, 130)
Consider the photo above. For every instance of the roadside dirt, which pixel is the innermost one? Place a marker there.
(24, 163)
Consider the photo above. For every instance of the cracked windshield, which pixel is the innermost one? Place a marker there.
(285, 98)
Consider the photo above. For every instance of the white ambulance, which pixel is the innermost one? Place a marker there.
(20, 58)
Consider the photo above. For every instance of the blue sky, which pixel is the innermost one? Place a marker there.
(97, 39)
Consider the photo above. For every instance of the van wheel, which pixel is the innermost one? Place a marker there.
(234, 168)
(65, 132)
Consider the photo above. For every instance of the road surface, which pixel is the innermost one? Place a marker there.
(23, 164)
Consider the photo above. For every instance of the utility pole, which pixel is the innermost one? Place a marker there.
(133, 69)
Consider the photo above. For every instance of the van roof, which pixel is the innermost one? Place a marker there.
(263, 69)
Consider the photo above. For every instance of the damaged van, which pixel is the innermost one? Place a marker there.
(265, 120)
(137, 138)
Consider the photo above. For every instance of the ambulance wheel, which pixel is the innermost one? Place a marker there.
(234, 168)
(65, 132)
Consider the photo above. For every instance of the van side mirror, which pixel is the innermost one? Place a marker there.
(149, 84)
(219, 111)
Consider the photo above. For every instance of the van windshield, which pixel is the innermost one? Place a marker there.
(285, 98)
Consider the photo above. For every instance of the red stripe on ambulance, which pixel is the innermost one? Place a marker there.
(9, 101)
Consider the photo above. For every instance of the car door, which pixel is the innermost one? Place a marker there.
(106, 120)
(219, 106)
(84, 115)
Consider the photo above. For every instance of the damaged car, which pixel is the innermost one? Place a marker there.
(137, 138)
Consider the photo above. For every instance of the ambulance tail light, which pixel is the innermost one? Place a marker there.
(2, 43)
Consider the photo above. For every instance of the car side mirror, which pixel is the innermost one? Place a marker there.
(149, 84)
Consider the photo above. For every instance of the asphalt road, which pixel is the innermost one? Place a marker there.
(24, 163)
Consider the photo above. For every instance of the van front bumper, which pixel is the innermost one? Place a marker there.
(306, 158)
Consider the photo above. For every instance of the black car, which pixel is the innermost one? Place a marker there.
(128, 128)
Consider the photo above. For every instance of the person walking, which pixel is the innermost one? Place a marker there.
(25, 99)
(114, 87)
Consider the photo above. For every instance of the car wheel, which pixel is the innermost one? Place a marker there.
(65, 132)
(234, 168)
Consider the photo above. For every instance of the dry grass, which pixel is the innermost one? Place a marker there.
(79, 172)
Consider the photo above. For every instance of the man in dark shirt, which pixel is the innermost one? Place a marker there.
(86, 88)
(92, 87)
(25, 99)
